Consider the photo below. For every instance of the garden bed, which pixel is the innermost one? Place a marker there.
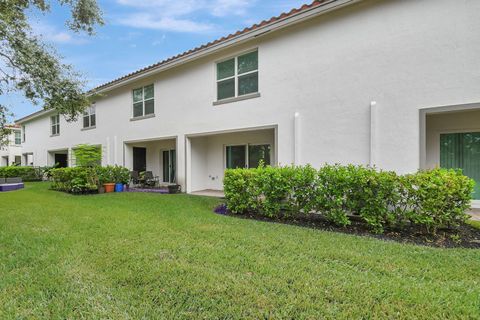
(464, 236)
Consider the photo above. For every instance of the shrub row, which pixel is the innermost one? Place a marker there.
(74, 180)
(26, 173)
(431, 199)
(87, 179)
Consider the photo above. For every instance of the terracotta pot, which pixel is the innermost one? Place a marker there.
(109, 187)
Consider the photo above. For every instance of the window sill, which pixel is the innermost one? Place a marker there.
(88, 128)
(143, 117)
(55, 135)
(235, 99)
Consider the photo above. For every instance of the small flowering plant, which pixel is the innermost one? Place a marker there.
(221, 209)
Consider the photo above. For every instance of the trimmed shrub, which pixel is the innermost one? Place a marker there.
(438, 198)
(26, 173)
(74, 180)
(431, 199)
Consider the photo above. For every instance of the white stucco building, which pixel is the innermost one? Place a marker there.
(392, 83)
(11, 152)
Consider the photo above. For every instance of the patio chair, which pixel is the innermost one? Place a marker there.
(135, 177)
(150, 179)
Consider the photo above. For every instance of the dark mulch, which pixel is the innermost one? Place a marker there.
(464, 236)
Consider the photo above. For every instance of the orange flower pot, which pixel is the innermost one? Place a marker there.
(109, 187)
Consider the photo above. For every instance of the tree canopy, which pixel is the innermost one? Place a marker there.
(33, 68)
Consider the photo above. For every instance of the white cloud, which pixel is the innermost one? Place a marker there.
(179, 16)
(50, 33)
(146, 20)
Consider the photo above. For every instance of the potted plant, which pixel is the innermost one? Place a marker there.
(108, 179)
(122, 177)
(100, 172)
(173, 188)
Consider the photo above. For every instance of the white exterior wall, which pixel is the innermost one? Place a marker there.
(405, 55)
(10, 151)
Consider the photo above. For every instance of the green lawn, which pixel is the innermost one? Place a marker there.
(129, 256)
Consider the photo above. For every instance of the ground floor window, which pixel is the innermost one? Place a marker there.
(169, 165)
(462, 151)
(247, 155)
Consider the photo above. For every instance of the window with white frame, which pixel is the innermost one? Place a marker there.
(143, 101)
(18, 137)
(55, 125)
(237, 76)
(89, 117)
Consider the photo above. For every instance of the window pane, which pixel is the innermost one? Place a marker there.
(138, 109)
(18, 137)
(86, 122)
(226, 69)
(149, 107)
(54, 130)
(248, 62)
(137, 95)
(148, 92)
(248, 83)
(58, 129)
(257, 153)
(226, 89)
(236, 157)
(93, 120)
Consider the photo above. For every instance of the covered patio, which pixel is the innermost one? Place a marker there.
(209, 154)
(156, 156)
(452, 140)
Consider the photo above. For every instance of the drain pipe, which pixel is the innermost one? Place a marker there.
(373, 132)
(296, 139)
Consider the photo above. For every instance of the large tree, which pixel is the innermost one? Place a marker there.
(33, 68)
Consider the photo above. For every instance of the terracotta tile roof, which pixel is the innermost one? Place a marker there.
(264, 23)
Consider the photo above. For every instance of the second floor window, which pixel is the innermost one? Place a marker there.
(89, 117)
(23, 133)
(55, 125)
(237, 76)
(18, 137)
(143, 101)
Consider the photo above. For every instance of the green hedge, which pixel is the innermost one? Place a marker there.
(87, 179)
(431, 199)
(26, 173)
(74, 180)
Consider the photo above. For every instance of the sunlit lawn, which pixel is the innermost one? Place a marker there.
(132, 255)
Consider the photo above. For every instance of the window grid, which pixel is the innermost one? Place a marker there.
(55, 125)
(144, 101)
(89, 117)
(18, 137)
(235, 75)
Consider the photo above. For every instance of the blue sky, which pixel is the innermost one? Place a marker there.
(138, 33)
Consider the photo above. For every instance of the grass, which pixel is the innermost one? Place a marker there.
(132, 255)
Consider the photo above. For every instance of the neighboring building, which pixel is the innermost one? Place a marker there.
(11, 153)
(395, 84)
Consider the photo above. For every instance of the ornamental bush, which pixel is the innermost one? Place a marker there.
(26, 173)
(74, 180)
(430, 199)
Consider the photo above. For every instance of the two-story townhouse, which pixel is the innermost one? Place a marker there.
(390, 83)
(11, 151)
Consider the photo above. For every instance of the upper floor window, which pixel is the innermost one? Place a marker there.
(237, 76)
(89, 117)
(55, 125)
(18, 137)
(23, 133)
(143, 101)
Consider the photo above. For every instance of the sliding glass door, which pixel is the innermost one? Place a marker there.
(169, 165)
(247, 155)
(462, 151)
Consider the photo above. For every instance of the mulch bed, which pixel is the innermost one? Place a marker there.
(464, 236)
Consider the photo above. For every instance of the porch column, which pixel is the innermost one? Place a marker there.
(182, 161)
